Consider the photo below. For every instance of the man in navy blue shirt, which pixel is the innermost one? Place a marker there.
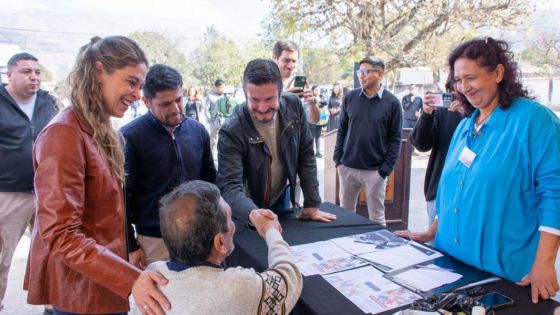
(163, 149)
(368, 140)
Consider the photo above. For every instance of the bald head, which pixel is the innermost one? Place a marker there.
(190, 216)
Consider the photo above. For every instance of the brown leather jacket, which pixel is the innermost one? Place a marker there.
(78, 253)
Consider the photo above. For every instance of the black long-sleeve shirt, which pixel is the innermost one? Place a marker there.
(157, 162)
(369, 135)
(434, 132)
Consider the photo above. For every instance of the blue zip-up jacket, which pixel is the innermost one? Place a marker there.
(157, 162)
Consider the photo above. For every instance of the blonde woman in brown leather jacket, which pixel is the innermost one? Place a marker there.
(78, 260)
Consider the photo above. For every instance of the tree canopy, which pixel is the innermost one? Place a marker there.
(399, 31)
(544, 51)
(216, 58)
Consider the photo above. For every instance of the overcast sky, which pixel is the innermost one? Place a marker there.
(238, 20)
(54, 29)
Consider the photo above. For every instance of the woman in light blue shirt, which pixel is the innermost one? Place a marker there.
(498, 202)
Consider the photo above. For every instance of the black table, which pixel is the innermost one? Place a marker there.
(318, 296)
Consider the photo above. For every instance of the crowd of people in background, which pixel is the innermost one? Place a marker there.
(212, 109)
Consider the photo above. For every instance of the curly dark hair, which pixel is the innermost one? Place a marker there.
(489, 53)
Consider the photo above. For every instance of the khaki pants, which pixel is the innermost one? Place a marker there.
(351, 180)
(153, 248)
(17, 209)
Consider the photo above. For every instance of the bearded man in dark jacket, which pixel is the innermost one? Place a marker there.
(263, 146)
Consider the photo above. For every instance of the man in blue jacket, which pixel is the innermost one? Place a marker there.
(163, 149)
(25, 110)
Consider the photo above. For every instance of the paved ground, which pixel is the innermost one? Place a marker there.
(15, 300)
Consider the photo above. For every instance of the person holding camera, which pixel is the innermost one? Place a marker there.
(286, 54)
(433, 132)
(498, 202)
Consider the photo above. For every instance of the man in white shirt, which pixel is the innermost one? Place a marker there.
(25, 109)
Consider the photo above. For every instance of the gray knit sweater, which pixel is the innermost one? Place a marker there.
(208, 290)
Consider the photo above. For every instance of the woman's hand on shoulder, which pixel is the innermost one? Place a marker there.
(147, 295)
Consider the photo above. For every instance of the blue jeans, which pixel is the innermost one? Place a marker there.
(408, 123)
(57, 312)
(282, 205)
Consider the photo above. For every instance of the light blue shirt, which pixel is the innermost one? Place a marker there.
(379, 92)
(490, 213)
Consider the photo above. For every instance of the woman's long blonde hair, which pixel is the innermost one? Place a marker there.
(114, 52)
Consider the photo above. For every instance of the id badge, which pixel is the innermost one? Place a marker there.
(467, 157)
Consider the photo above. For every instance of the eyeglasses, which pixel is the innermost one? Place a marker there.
(365, 72)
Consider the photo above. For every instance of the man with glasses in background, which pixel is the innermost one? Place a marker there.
(368, 140)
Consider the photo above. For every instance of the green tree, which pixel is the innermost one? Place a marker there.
(217, 58)
(255, 49)
(322, 65)
(397, 31)
(159, 49)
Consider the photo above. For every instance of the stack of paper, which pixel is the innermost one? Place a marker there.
(345, 263)
(369, 242)
(369, 290)
(323, 258)
(400, 257)
(426, 278)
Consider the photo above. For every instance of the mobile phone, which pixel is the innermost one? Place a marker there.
(495, 300)
(300, 81)
(442, 99)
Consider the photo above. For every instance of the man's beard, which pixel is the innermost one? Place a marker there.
(230, 250)
(274, 111)
(168, 121)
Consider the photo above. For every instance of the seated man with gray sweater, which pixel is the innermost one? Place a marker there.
(198, 231)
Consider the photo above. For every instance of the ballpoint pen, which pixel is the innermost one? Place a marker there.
(406, 284)
(434, 268)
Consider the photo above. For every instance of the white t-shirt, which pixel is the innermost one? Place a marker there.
(28, 107)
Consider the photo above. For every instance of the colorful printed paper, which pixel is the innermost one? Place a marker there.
(369, 290)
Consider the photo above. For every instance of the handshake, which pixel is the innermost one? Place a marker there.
(264, 220)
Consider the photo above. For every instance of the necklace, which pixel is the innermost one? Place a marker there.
(480, 121)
